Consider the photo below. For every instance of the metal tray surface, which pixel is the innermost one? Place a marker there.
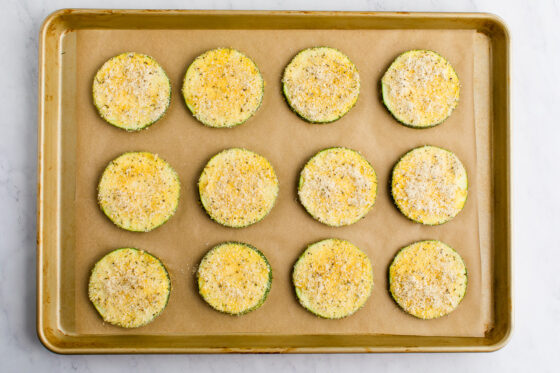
(57, 165)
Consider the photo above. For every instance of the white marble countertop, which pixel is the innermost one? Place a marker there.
(536, 135)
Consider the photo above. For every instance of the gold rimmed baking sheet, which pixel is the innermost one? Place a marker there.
(85, 39)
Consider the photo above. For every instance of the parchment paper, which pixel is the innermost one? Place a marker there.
(288, 142)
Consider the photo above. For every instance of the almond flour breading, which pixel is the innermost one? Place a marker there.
(337, 186)
(420, 88)
(238, 187)
(139, 191)
(223, 88)
(131, 91)
(429, 185)
(129, 287)
(234, 278)
(321, 84)
(428, 279)
(333, 278)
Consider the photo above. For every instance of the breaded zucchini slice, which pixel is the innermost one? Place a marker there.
(223, 88)
(234, 277)
(131, 91)
(333, 278)
(129, 287)
(420, 88)
(337, 186)
(428, 279)
(139, 191)
(321, 84)
(238, 187)
(429, 185)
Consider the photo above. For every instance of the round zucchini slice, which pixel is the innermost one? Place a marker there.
(420, 88)
(429, 185)
(223, 88)
(131, 91)
(234, 278)
(139, 191)
(337, 186)
(238, 187)
(333, 278)
(129, 287)
(428, 279)
(321, 84)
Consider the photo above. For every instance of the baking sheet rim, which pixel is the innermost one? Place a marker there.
(41, 259)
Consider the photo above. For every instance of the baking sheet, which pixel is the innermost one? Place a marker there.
(287, 142)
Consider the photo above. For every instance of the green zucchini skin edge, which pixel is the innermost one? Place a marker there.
(138, 230)
(285, 95)
(148, 124)
(298, 295)
(166, 273)
(384, 100)
(393, 196)
(300, 184)
(390, 280)
(269, 283)
(241, 226)
(234, 124)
